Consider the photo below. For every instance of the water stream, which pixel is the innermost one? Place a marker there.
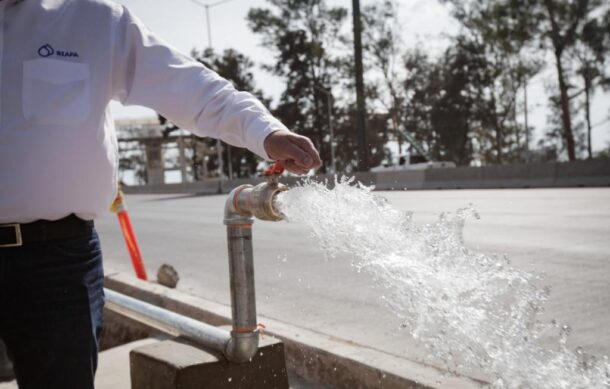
(473, 312)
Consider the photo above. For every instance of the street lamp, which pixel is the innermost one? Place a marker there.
(329, 99)
(207, 7)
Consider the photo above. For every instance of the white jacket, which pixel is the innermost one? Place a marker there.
(61, 62)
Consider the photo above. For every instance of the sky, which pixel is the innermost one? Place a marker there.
(424, 23)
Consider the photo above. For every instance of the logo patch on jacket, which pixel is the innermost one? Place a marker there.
(48, 50)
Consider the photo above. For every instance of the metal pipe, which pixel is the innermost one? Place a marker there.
(244, 336)
(243, 203)
(167, 321)
(241, 343)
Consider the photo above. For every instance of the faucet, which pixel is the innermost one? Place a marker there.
(245, 203)
(240, 345)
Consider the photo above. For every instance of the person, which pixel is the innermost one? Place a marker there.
(61, 63)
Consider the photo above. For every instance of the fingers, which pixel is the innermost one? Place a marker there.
(307, 146)
(292, 167)
(300, 157)
(297, 152)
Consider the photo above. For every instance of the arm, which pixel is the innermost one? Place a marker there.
(149, 72)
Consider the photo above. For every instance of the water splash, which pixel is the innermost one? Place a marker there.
(472, 311)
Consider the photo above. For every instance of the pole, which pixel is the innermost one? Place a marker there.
(218, 141)
(329, 102)
(182, 158)
(230, 162)
(207, 18)
(363, 158)
(527, 129)
(332, 135)
(120, 208)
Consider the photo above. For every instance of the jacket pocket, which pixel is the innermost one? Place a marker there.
(56, 92)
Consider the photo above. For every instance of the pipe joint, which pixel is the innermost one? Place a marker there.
(247, 201)
(242, 346)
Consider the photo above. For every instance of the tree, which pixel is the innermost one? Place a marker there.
(565, 19)
(555, 131)
(443, 100)
(302, 35)
(311, 54)
(502, 34)
(591, 51)
(458, 115)
(554, 24)
(382, 51)
(423, 85)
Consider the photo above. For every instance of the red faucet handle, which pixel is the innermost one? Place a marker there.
(276, 169)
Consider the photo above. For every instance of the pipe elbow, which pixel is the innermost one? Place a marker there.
(235, 204)
(242, 346)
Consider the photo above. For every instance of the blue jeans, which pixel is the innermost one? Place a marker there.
(51, 306)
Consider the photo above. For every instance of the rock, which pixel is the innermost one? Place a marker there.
(167, 276)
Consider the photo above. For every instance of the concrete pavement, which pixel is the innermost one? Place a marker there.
(562, 232)
(113, 369)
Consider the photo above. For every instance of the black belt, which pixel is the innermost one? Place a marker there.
(15, 234)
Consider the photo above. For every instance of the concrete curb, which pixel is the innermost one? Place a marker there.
(317, 357)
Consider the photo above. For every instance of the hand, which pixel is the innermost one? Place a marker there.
(296, 152)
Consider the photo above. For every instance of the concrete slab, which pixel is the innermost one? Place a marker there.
(113, 368)
(174, 364)
(400, 180)
(453, 178)
(541, 175)
(117, 329)
(583, 173)
(9, 385)
(504, 176)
